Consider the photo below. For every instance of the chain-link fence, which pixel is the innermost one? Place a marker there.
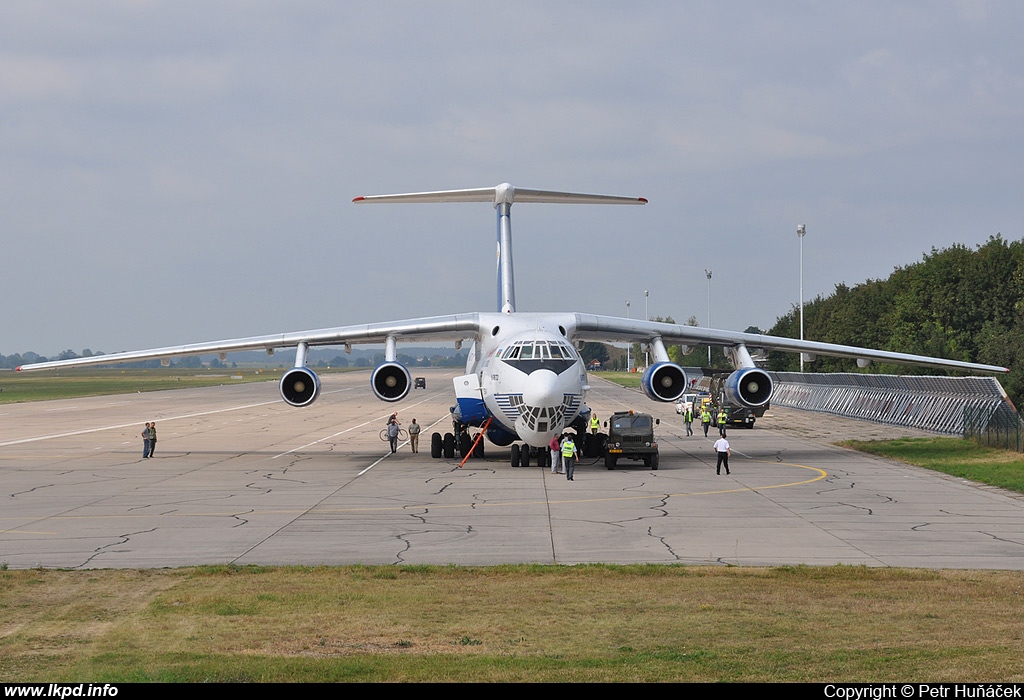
(974, 407)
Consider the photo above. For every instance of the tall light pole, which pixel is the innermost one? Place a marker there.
(627, 344)
(647, 317)
(801, 231)
(708, 273)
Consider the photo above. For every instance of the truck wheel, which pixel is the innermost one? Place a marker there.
(609, 462)
(449, 446)
(654, 462)
(435, 445)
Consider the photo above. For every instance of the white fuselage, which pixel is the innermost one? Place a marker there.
(532, 380)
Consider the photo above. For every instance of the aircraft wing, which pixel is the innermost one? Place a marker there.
(453, 327)
(610, 328)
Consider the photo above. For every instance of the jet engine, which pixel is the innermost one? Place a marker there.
(663, 381)
(749, 387)
(391, 381)
(300, 386)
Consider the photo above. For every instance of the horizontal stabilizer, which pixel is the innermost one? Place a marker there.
(503, 193)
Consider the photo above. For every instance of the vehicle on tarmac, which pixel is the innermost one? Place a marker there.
(631, 436)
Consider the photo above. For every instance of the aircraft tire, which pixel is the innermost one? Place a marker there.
(449, 446)
(478, 451)
(515, 455)
(435, 445)
(465, 444)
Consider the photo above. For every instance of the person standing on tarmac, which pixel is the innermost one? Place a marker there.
(556, 454)
(688, 420)
(722, 449)
(723, 419)
(414, 436)
(393, 429)
(705, 419)
(595, 423)
(569, 456)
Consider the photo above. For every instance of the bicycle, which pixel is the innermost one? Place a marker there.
(403, 434)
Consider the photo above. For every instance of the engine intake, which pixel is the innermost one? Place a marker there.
(300, 386)
(391, 381)
(664, 381)
(749, 387)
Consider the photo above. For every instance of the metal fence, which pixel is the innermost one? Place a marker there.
(975, 407)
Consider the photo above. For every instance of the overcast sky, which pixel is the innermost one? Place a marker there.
(176, 172)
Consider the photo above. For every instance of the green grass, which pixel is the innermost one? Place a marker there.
(511, 623)
(954, 456)
(630, 380)
(17, 387)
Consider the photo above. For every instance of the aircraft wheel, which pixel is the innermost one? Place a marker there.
(524, 456)
(465, 443)
(515, 455)
(478, 451)
(449, 446)
(609, 462)
(435, 445)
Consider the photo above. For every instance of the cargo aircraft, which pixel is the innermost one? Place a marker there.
(525, 380)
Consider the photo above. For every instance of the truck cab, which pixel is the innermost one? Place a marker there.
(631, 436)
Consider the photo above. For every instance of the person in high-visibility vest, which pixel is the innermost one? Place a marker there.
(595, 423)
(723, 418)
(569, 456)
(705, 419)
(688, 420)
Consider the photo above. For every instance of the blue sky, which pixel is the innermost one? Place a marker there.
(183, 171)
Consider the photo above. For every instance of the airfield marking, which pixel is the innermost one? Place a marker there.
(821, 474)
(135, 423)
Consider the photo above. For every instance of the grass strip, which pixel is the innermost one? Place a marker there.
(511, 623)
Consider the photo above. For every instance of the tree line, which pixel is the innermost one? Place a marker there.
(957, 303)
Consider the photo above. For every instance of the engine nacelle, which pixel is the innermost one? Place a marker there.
(391, 381)
(663, 381)
(749, 387)
(300, 386)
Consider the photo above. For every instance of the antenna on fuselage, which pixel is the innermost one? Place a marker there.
(503, 196)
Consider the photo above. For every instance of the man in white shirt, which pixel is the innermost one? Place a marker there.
(722, 448)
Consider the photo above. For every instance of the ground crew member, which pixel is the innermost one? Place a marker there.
(705, 419)
(723, 418)
(688, 420)
(595, 423)
(569, 456)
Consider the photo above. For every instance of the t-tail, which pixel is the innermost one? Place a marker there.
(503, 197)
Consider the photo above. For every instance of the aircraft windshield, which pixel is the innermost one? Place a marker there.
(530, 355)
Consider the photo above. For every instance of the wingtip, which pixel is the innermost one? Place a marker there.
(359, 198)
(642, 200)
(18, 368)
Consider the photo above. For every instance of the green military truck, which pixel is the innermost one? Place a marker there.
(631, 436)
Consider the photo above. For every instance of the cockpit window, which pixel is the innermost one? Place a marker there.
(530, 355)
